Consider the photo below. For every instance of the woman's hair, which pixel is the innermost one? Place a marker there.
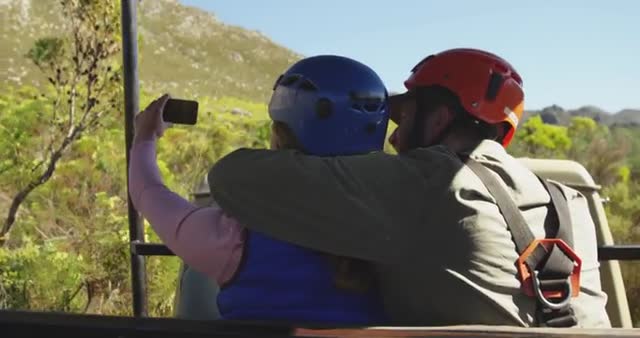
(350, 273)
(285, 137)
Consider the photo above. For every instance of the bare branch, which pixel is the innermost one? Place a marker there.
(42, 233)
(73, 296)
(38, 165)
(36, 182)
(78, 74)
(89, 296)
(72, 112)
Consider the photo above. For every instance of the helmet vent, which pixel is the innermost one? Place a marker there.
(289, 80)
(324, 108)
(372, 107)
(368, 106)
(307, 85)
(495, 82)
(413, 70)
(366, 102)
(277, 83)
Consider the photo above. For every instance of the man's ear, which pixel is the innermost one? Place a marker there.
(442, 117)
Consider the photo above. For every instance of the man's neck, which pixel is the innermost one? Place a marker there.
(461, 144)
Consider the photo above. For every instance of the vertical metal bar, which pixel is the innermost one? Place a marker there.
(131, 107)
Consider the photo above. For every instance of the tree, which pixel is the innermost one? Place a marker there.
(623, 215)
(538, 139)
(85, 79)
(602, 153)
(68, 251)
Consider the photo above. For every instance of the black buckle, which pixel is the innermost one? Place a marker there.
(556, 318)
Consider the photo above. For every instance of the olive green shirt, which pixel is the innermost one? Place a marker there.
(442, 249)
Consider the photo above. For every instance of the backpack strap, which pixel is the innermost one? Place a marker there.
(548, 268)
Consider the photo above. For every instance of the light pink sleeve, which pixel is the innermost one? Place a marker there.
(204, 237)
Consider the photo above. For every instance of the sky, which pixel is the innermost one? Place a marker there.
(571, 53)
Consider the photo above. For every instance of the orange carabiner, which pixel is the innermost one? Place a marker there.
(526, 276)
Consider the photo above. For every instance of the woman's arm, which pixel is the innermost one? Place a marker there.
(204, 237)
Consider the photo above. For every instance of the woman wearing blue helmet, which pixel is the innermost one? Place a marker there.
(325, 106)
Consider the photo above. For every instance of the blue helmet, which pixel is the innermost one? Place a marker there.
(334, 105)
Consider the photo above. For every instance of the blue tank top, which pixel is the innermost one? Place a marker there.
(281, 281)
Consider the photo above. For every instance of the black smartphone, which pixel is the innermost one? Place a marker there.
(180, 111)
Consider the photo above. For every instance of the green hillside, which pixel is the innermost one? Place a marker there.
(184, 50)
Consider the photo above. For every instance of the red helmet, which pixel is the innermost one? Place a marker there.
(488, 87)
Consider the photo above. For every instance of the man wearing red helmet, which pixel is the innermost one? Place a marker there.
(459, 231)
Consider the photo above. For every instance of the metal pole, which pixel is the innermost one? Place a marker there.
(131, 107)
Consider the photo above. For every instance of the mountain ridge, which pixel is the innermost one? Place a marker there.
(189, 52)
(555, 114)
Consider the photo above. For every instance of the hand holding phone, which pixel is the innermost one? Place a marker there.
(180, 111)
